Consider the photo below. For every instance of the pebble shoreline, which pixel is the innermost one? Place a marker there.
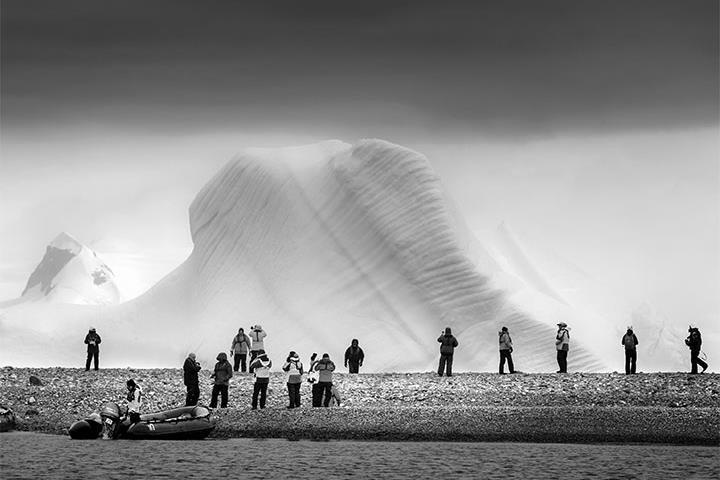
(673, 408)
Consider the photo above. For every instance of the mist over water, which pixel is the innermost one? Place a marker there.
(47, 456)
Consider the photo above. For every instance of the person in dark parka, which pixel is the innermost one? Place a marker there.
(92, 340)
(354, 356)
(694, 342)
(190, 378)
(630, 341)
(447, 348)
(222, 374)
(506, 348)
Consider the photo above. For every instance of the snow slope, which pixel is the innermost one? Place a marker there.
(321, 244)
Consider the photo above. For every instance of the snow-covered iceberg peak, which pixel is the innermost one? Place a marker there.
(70, 272)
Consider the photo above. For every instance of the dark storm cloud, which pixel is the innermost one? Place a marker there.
(515, 65)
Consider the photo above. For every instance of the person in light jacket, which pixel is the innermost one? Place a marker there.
(294, 368)
(562, 345)
(506, 348)
(257, 335)
(325, 368)
(239, 349)
(630, 341)
(190, 379)
(448, 343)
(261, 366)
(134, 399)
(222, 374)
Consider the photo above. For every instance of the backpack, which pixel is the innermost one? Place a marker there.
(629, 341)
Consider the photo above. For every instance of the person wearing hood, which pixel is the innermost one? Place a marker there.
(239, 349)
(222, 374)
(294, 368)
(323, 392)
(506, 348)
(630, 341)
(694, 342)
(92, 340)
(562, 345)
(447, 348)
(354, 356)
(134, 399)
(261, 366)
(257, 335)
(190, 377)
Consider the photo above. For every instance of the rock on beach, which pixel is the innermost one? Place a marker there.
(645, 408)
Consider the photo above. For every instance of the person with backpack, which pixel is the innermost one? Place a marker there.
(506, 348)
(190, 378)
(239, 349)
(354, 356)
(323, 392)
(694, 342)
(92, 340)
(448, 343)
(294, 368)
(222, 374)
(261, 366)
(562, 345)
(630, 341)
(257, 335)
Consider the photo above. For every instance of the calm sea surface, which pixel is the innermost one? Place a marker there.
(33, 455)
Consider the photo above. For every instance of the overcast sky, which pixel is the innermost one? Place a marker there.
(588, 125)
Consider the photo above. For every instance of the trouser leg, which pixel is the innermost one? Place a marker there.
(448, 366)
(236, 362)
(214, 396)
(316, 395)
(441, 365)
(256, 392)
(296, 391)
(87, 362)
(263, 394)
(628, 357)
(243, 362)
(96, 358)
(501, 368)
(633, 362)
(511, 366)
(326, 393)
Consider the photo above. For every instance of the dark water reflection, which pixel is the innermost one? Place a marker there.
(32, 455)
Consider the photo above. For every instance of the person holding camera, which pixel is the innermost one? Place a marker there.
(694, 342)
(448, 343)
(257, 335)
(190, 378)
(134, 399)
(506, 348)
(294, 368)
(92, 340)
(239, 349)
(261, 366)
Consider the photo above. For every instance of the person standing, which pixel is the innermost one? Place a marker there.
(92, 340)
(630, 341)
(190, 378)
(261, 366)
(134, 399)
(323, 393)
(448, 343)
(222, 375)
(257, 335)
(506, 348)
(239, 349)
(694, 342)
(354, 356)
(562, 344)
(294, 368)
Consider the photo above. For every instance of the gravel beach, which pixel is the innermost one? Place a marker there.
(674, 408)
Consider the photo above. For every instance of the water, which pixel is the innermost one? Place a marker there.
(33, 455)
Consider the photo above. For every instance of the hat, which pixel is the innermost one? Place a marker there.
(191, 355)
(562, 324)
(504, 329)
(325, 355)
(92, 329)
(629, 327)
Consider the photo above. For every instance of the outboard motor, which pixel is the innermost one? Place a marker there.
(110, 414)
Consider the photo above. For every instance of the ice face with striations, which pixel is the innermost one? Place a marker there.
(321, 244)
(328, 242)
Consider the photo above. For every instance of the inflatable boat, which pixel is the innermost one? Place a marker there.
(183, 423)
(89, 428)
